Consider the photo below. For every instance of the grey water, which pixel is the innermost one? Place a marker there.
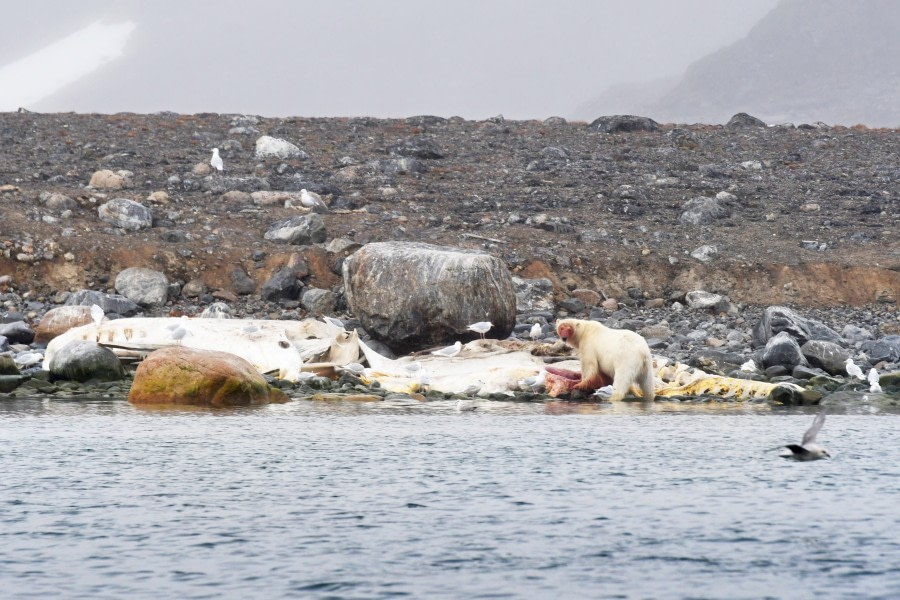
(100, 499)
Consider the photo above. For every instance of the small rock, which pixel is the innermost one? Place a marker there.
(82, 360)
(272, 147)
(145, 287)
(127, 214)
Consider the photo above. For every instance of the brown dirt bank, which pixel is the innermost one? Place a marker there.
(810, 215)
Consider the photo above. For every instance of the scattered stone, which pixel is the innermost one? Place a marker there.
(825, 355)
(107, 180)
(59, 320)
(81, 360)
(743, 120)
(419, 146)
(181, 375)
(702, 211)
(776, 319)
(216, 310)
(318, 301)
(705, 253)
(533, 294)
(56, 201)
(17, 332)
(282, 285)
(623, 124)
(783, 350)
(110, 303)
(126, 214)
(301, 230)
(272, 147)
(700, 300)
(145, 287)
(241, 283)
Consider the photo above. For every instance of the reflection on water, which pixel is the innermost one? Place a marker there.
(100, 499)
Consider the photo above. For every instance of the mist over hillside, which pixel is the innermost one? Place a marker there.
(805, 61)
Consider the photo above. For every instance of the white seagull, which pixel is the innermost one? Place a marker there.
(874, 383)
(853, 370)
(312, 200)
(216, 161)
(449, 351)
(808, 448)
(535, 381)
(749, 366)
(27, 359)
(536, 331)
(96, 315)
(179, 330)
(481, 328)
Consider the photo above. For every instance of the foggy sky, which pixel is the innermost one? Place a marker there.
(390, 58)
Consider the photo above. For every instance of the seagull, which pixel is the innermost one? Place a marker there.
(28, 359)
(179, 331)
(874, 383)
(853, 370)
(749, 367)
(312, 200)
(536, 331)
(481, 328)
(462, 406)
(96, 314)
(535, 381)
(449, 351)
(216, 161)
(808, 448)
(334, 322)
(355, 368)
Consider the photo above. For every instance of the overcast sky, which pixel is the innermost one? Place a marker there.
(473, 58)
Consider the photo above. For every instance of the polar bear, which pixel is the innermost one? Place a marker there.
(610, 354)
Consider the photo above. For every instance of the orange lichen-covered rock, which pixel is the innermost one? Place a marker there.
(178, 375)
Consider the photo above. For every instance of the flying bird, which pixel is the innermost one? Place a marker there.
(481, 328)
(312, 201)
(449, 351)
(874, 382)
(216, 161)
(96, 314)
(536, 331)
(808, 448)
(853, 370)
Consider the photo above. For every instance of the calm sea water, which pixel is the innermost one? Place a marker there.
(99, 499)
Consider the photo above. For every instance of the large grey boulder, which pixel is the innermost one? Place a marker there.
(742, 120)
(826, 355)
(127, 214)
(883, 349)
(272, 147)
(143, 286)
(110, 303)
(17, 332)
(623, 124)
(301, 230)
(776, 319)
(81, 360)
(782, 350)
(413, 295)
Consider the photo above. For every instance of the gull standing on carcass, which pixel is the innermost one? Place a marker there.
(449, 351)
(853, 370)
(216, 161)
(874, 382)
(481, 327)
(536, 331)
(179, 330)
(312, 201)
(808, 448)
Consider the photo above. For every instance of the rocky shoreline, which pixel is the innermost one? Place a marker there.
(685, 234)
